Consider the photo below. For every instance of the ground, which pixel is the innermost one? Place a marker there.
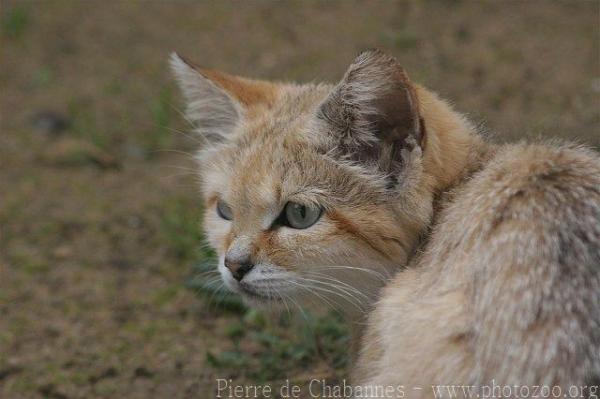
(100, 249)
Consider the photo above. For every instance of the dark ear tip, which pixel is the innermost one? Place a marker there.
(178, 60)
(375, 54)
(380, 62)
(372, 51)
(178, 57)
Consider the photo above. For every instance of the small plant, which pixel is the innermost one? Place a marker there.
(14, 22)
(181, 228)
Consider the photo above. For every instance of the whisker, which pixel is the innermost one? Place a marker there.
(331, 289)
(170, 150)
(383, 277)
(284, 299)
(179, 167)
(327, 284)
(334, 280)
(195, 138)
(183, 115)
(299, 308)
(321, 297)
(177, 175)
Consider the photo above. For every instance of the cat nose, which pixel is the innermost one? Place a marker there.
(238, 269)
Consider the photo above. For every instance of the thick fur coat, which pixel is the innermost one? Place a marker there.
(489, 256)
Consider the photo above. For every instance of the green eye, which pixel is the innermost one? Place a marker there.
(301, 216)
(224, 210)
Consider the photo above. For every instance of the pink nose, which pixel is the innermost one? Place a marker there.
(238, 269)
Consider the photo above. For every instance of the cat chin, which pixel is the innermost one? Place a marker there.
(268, 305)
(262, 302)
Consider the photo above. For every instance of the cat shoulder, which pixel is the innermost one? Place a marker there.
(539, 188)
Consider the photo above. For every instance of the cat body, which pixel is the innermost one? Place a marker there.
(489, 255)
(505, 291)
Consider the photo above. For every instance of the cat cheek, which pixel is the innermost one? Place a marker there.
(218, 232)
(293, 251)
(227, 240)
(269, 249)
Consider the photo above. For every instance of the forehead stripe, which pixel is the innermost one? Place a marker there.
(347, 226)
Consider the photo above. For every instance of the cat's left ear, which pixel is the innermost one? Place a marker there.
(218, 102)
(373, 114)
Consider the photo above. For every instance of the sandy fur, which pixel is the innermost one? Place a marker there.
(495, 249)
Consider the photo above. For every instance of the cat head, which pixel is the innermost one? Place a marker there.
(314, 192)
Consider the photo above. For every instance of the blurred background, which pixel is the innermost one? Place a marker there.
(105, 288)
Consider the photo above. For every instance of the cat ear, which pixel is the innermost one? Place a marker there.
(373, 113)
(218, 102)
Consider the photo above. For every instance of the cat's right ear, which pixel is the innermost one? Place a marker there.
(373, 114)
(218, 102)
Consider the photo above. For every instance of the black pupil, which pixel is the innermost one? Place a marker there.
(302, 211)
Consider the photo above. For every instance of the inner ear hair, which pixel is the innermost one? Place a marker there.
(374, 111)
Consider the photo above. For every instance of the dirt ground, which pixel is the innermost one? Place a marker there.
(99, 210)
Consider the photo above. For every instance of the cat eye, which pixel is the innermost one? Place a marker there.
(224, 210)
(300, 216)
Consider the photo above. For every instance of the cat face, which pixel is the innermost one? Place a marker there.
(313, 193)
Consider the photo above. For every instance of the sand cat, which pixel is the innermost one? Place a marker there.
(488, 255)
